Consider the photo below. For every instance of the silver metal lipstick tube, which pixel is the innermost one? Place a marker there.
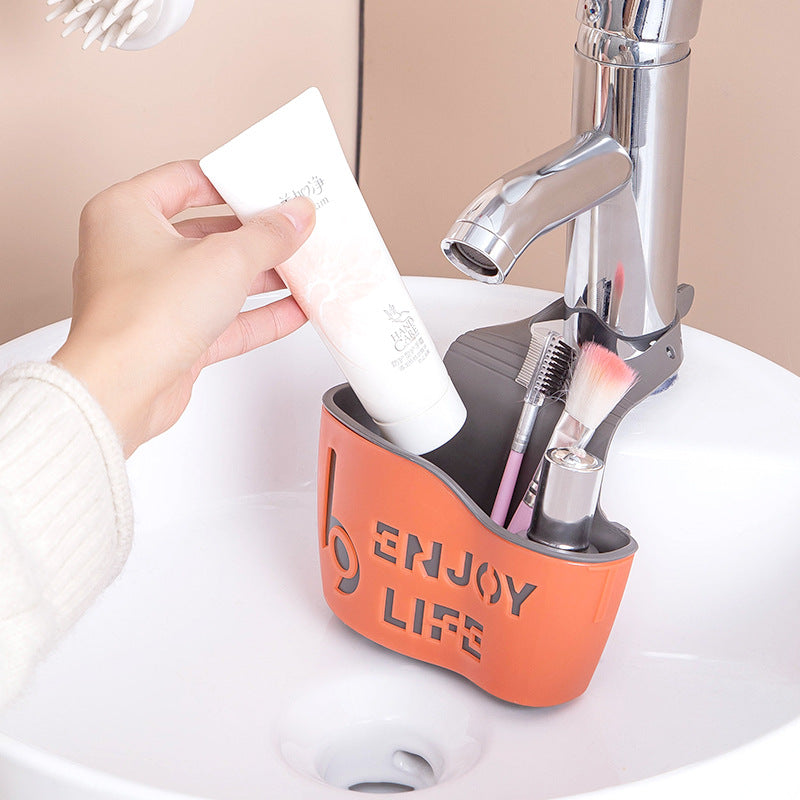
(568, 433)
(569, 489)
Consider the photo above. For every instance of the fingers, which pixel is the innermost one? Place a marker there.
(174, 187)
(266, 240)
(200, 227)
(255, 328)
(267, 281)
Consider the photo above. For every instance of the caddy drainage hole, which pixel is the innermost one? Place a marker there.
(381, 773)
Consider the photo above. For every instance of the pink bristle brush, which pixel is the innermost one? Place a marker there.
(600, 380)
(544, 373)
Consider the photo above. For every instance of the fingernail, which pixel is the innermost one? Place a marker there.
(299, 211)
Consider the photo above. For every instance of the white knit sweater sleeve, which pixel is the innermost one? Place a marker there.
(65, 512)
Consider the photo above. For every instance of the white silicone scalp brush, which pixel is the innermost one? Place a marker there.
(127, 24)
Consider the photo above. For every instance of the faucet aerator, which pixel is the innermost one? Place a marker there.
(472, 261)
(478, 252)
(475, 260)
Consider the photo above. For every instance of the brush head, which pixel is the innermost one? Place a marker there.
(109, 22)
(600, 380)
(552, 370)
(129, 24)
(546, 367)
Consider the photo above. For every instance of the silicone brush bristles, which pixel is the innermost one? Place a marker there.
(552, 369)
(548, 379)
(546, 364)
(113, 20)
(600, 380)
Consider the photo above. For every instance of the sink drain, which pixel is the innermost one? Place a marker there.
(417, 769)
(411, 763)
(373, 736)
(369, 761)
(381, 788)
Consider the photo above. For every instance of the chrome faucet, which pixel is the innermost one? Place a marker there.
(617, 182)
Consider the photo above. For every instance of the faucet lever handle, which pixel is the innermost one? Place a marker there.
(671, 21)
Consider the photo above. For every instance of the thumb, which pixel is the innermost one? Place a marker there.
(269, 238)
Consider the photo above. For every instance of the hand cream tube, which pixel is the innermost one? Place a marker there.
(343, 276)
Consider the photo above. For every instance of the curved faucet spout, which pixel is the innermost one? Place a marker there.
(493, 231)
(617, 184)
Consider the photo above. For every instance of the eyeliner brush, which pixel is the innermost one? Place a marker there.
(544, 372)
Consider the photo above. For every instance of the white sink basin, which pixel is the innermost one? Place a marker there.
(213, 669)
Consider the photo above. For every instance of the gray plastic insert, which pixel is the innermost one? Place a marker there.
(483, 365)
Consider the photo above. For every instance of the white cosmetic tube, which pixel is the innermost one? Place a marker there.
(343, 276)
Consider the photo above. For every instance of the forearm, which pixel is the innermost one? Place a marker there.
(65, 512)
(149, 312)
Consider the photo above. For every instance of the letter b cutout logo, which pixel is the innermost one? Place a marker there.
(338, 542)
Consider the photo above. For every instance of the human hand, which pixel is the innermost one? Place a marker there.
(154, 303)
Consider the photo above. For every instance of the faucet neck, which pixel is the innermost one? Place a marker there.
(627, 247)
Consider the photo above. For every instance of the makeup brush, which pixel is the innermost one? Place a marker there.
(544, 373)
(600, 380)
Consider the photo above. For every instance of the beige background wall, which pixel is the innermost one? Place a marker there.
(75, 122)
(457, 93)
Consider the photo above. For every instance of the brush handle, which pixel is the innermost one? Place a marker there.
(527, 419)
(521, 520)
(507, 483)
(522, 437)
